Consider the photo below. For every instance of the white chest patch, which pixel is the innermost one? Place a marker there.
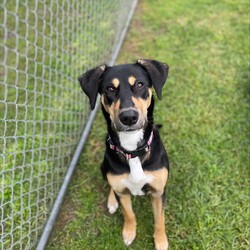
(137, 178)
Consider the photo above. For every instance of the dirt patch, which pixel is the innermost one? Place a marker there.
(66, 214)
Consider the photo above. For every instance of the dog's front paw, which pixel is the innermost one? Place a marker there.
(161, 242)
(112, 207)
(128, 237)
(112, 202)
(129, 233)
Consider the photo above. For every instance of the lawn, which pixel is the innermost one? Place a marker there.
(205, 117)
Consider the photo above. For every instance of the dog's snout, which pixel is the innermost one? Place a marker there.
(129, 117)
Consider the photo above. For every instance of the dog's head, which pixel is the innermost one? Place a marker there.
(126, 91)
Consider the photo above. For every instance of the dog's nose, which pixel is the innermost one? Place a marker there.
(129, 117)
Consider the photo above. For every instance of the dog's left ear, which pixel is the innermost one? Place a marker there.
(89, 82)
(158, 73)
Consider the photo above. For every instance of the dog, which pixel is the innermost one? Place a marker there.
(135, 161)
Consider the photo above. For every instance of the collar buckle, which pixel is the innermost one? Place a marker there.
(127, 156)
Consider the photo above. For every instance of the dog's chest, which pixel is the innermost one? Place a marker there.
(137, 179)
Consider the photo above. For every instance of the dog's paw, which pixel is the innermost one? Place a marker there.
(161, 243)
(128, 236)
(112, 207)
(112, 202)
(161, 246)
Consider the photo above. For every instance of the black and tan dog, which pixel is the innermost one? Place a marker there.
(135, 161)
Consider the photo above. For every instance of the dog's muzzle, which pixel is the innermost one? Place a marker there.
(128, 120)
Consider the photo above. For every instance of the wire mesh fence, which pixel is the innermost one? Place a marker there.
(45, 46)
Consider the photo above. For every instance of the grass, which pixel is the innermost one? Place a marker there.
(205, 113)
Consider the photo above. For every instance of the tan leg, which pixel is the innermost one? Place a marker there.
(129, 228)
(112, 202)
(160, 238)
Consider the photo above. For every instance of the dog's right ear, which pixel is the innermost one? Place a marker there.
(89, 82)
(158, 72)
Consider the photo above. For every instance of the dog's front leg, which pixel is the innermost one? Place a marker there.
(160, 238)
(129, 228)
(116, 183)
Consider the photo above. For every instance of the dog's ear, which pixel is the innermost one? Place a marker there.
(89, 82)
(158, 73)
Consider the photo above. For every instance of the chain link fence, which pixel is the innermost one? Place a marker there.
(44, 47)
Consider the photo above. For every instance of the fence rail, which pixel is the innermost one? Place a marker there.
(45, 46)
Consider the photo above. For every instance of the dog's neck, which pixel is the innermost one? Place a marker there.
(131, 140)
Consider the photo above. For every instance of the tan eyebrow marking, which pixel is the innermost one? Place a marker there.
(115, 82)
(131, 80)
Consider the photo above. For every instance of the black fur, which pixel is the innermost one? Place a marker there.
(89, 82)
(158, 73)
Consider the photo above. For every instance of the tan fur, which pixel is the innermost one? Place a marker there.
(103, 103)
(112, 202)
(129, 227)
(131, 80)
(160, 237)
(142, 104)
(115, 82)
(115, 181)
(158, 184)
(113, 110)
(159, 181)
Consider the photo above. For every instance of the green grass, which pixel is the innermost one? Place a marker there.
(205, 113)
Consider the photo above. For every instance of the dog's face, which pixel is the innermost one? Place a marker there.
(126, 95)
(126, 91)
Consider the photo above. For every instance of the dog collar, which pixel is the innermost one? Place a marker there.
(132, 154)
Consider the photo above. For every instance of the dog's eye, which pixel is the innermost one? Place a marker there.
(139, 85)
(110, 89)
